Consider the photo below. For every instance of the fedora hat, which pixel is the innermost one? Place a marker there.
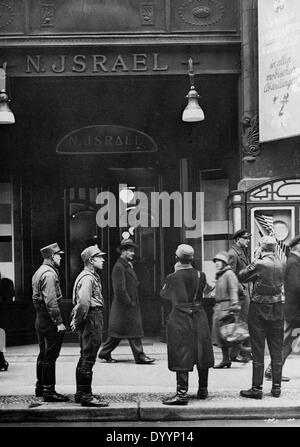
(125, 244)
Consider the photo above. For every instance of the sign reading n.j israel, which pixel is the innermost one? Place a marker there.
(95, 63)
(279, 69)
(104, 139)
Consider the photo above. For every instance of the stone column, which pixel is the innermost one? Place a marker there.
(249, 137)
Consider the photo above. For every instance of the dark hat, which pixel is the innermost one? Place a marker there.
(242, 233)
(91, 251)
(294, 241)
(222, 256)
(50, 250)
(127, 243)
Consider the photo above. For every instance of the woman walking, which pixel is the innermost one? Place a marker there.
(227, 299)
(188, 335)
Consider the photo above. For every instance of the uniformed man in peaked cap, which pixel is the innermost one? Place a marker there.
(87, 318)
(49, 323)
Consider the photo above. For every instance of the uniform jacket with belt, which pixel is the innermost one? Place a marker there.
(292, 288)
(267, 274)
(125, 320)
(46, 291)
(87, 292)
(188, 334)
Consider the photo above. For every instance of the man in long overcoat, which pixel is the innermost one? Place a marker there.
(292, 303)
(238, 260)
(125, 320)
(188, 334)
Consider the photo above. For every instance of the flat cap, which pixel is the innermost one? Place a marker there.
(50, 250)
(184, 250)
(90, 252)
(242, 233)
(222, 256)
(268, 243)
(294, 241)
(127, 243)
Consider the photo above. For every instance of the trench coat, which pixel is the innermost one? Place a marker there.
(188, 334)
(292, 288)
(125, 319)
(239, 260)
(226, 296)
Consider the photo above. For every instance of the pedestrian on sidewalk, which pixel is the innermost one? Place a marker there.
(227, 301)
(292, 303)
(265, 316)
(49, 324)
(87, 318)
(238, 260)
(125, 319)
(188, 334)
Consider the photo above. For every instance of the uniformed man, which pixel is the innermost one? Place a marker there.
(265, 316)
(49, 323)
(87, 318)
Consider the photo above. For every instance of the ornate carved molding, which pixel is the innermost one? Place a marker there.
(201, 13)
(7, 15)
(250, 138)
(47, 15)
(147, 14)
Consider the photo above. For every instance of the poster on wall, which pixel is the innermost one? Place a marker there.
(279, 69)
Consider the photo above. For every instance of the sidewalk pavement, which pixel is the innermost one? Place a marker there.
(135, 391)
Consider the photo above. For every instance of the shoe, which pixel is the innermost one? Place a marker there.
(223, 364)
(108, 358)
(275, 391)
(202, 393)
(93, 402)
(4, 366)
(145, 361)
(39, 391)
(268, 376)
(77, 398)
(176, 400)
(240, 359)
(55, 397)
(253, 393)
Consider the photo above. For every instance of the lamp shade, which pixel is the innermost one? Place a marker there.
(193, 111)
(6, 115)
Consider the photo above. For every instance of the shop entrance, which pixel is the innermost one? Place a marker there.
(85, 227)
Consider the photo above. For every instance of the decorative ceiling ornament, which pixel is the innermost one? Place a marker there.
(7, 15)
(201, 13)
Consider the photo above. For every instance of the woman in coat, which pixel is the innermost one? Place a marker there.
(188, 335)
(227, 299)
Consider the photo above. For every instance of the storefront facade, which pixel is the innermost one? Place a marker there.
(98, 90)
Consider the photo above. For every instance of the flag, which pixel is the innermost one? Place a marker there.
(267, 223)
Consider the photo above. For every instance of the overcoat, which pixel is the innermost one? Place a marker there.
(292, 288)
(188, 334)
(125, 320)
(226, 296)
(238, 260)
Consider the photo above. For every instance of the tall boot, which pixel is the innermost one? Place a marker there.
(39, 382)
(202, 392)
(79, 387)
(3, 363)
(180, 397)
(276, 379)
(49, 393)
(257, 379)
(85, 375)
(225, 363)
